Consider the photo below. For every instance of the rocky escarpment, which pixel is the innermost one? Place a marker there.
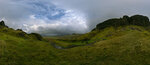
(138, 20)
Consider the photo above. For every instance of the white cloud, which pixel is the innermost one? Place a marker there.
(72, 22)
(78, 16)
(100, 10)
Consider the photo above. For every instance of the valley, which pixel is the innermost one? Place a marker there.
(125, 42)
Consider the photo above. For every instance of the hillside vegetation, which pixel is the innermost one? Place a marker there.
(119, 41)
(138, 20)
(104, 31)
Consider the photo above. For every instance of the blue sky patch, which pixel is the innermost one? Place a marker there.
(49, 11)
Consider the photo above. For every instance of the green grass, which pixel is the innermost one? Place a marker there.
(132, 48)
(94, 36)
(18, 51)
(127, 45)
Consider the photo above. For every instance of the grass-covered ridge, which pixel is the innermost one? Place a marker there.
(105, 30)
(138, 20)
(18, 33)
(126, 45)
(112, 44)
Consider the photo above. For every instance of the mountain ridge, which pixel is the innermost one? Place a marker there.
(138, 20)
(112, 45)
(18, 32)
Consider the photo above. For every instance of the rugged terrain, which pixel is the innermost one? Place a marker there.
(118, 41)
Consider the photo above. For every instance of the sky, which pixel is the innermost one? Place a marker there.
(57, 17)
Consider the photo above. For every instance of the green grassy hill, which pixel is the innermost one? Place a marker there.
(127, 46)
(113, 44)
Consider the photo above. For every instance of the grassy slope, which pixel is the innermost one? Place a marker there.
(18, 51)
(122, 46)
(132, 48)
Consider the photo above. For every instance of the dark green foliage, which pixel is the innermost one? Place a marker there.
(37, 36)
(126, 18)
(111, 22)
(22, 34)
(19, 29)
(138, 20)
(2, 23)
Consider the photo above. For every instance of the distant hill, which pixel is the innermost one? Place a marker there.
(138, 20)
(118, 41)
(18, 33)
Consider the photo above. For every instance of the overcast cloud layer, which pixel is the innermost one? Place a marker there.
(53, 17)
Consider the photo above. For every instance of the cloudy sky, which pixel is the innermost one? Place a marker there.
(52, 17)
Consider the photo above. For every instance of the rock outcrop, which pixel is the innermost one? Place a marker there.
(138, 20)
